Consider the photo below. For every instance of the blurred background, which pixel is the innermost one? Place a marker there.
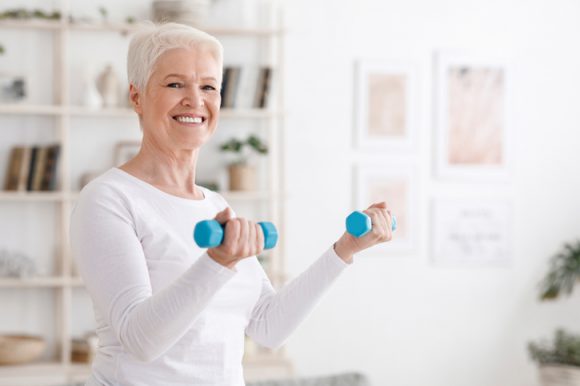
(462, 115)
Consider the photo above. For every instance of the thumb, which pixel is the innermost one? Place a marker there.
(380, 205)
(223, 216)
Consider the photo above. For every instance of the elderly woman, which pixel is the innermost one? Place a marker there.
(167, 311)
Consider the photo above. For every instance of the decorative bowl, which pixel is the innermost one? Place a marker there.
(17, 349)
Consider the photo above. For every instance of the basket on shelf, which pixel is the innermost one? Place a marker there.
(17, 349)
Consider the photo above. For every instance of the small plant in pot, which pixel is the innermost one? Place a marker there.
(560, 361)
(242, 175)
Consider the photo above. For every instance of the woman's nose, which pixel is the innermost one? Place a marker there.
(194, 97)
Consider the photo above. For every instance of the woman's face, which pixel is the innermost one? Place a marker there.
(180, 106)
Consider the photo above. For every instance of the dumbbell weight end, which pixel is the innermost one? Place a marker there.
(359, 223)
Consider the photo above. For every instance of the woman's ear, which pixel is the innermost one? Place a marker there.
(135, 99)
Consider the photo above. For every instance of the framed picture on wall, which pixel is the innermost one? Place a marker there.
(473, 134)
(385, 104)
(471, 232)
(394, 184)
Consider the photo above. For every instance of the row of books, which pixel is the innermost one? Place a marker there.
(32, 168)
(246, 87)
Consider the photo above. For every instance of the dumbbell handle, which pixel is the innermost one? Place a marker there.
(210, 234)
(359, 223)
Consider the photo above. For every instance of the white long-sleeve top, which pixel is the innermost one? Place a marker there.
(166, 313)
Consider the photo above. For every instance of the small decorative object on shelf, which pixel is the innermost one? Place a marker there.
(83, 349)
(92, 97)
(192, 12)
(104, 14)
(16, 264)
(12, 88)
(242, 175)
(18, 349)
(109, 86)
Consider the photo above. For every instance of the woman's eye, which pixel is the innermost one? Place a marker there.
(174, 85)
(209, 87)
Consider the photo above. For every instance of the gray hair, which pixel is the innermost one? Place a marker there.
(152, 40)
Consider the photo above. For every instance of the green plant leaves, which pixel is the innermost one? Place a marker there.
(564, 272)
(237, 146)
(565, 349)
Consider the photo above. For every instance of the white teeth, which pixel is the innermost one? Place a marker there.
(189, 119)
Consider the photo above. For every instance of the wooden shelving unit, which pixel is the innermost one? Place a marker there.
(62, 283)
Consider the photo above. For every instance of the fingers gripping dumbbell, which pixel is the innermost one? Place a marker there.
(359, 224)
(210, 234)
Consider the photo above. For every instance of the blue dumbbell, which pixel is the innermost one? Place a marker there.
(210, 233)
(359, 224)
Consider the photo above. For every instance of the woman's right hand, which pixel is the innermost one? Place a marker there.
(242, 238)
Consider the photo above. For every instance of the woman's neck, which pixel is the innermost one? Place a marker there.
(173, 174)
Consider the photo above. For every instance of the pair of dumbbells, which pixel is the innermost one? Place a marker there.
(210, 233)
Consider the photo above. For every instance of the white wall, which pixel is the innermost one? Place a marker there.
(399, 319)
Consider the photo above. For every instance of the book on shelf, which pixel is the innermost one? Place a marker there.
(263, 88)
(246, 87)
(230, 86)
(32, 168)
(50, 169)
(15, 163)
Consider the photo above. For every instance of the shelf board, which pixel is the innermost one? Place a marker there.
(249, 113)
(80, 111)
(32, 24)
(123, 28)
(34, 282)
(32, 196)
(39, 369)
(126, 28)
(243, 31)
(23, 108)
(121, 112)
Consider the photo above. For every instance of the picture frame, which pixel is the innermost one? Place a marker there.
(124, 151)
(13, 88)
(395, 183)
(471, 232)
(473, 131)
(385, 105)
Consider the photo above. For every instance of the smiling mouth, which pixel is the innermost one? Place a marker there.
(188, 119)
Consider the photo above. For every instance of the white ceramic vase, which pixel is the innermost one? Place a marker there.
(109, 86)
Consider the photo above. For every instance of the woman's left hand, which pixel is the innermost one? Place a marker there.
(381, 232)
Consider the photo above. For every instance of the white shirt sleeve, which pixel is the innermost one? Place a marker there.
(112, 264)
(276, 315)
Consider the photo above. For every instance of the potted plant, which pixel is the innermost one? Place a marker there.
(242, 175)
(560, 360)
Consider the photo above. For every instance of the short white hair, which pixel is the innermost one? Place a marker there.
(152, 40)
